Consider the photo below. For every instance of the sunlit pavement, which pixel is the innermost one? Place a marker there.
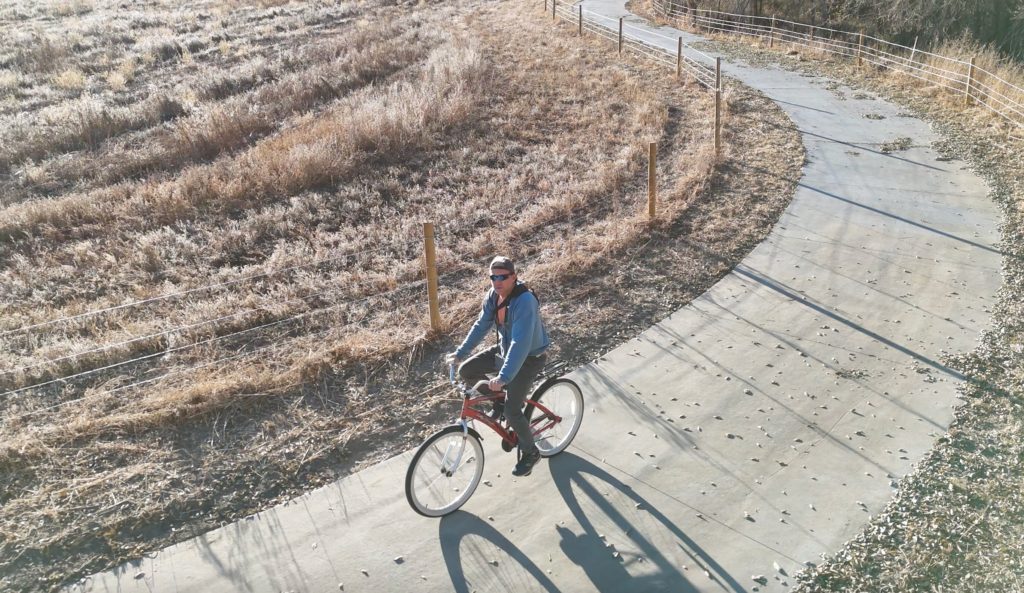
(744, 436)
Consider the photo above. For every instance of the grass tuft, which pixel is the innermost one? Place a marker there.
(40, 54)
(71, 8)
(71, 79)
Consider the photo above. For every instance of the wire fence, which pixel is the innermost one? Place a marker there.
(198, 289)
(629, 37)
(961, 77)
(143, 358)
(86, 371)
(259, 339)
(246, 352)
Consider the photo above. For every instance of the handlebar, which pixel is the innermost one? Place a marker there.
(553, 368)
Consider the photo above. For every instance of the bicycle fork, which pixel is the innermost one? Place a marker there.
(458, 457)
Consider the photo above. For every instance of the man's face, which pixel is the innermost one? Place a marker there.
(503, 281)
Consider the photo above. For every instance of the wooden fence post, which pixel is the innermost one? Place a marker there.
(679, 58)
(771, 34)
(970, 82)
(811, 44)
(652, 181)
(860, 49)
(553, 15)
(718, 106)
(581, 20)
(620, 35)
(430, 260)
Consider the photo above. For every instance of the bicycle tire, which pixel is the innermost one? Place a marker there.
(565, 399)
(432, 487)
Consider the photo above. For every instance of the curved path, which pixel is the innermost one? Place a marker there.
(750, 432)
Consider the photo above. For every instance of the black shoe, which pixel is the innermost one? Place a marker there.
(507, 446)
(526, 463)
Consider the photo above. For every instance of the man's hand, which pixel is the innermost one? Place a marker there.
(451, 358)
(496, 384)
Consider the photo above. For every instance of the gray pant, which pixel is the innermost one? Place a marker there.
(478, 366)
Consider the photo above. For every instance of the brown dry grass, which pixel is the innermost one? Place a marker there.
(209, 129)
(941, 79)
(1001, 89)
(939, 73)
(296, 233)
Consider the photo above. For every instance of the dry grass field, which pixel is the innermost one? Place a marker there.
(211, 280)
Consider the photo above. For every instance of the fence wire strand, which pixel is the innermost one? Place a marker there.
(702, 74)
(207, 287)
(591, 22)
(999, 96)
(210, 340)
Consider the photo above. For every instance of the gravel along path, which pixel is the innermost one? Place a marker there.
(955, 522)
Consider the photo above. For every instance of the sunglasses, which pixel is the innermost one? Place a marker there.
(500, 277)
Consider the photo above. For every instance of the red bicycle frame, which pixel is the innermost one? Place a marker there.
(470, 411)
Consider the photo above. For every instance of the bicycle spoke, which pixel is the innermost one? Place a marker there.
(556, 426)
(444, 472)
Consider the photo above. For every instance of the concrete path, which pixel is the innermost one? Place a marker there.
(744, 436)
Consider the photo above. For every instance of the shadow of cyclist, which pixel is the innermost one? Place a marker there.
(453, 533)
(587, 551)
(575, 478)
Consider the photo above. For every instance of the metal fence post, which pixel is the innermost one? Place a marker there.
(771, 34)
(652, 181)
(581, 20)
(970, 82)
(718, 106)
(860, 49)
(430, 260)
(620, 34)
(679, 58)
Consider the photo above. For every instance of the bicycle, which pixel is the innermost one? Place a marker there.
(448, 466)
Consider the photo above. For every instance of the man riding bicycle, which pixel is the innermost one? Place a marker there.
(518, 357)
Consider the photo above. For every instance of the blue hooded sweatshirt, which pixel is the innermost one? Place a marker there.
(520, 336)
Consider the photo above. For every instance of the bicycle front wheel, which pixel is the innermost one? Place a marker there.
(444, 472)
(565, 401)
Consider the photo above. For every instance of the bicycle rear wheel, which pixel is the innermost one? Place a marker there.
(565, 401)
(444, 472)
